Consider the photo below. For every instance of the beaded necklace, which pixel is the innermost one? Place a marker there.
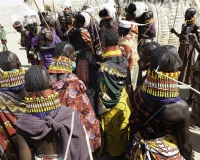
(61, 64)
(41, 106)
(161, 88)
(12, 80)
(191, 21)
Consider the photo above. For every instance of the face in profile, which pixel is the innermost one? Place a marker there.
(61, 17)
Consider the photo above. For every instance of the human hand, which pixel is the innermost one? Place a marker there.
(172, 30)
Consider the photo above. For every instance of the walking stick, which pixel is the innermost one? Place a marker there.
(45, 21)
(176, 13)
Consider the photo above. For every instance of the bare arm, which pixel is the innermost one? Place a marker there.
(42, 43)
(24, 150)
(183, 134)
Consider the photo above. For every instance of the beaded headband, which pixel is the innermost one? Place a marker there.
(61, 64)
(161, 86)
(12, 80)
(47, 102)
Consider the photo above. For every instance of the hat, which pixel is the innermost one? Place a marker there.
(14, 18)
(67, 4)
(107, 11)
(125, 24)
(30, 15)
(87, 18)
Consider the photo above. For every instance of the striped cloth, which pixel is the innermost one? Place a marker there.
(57, 120)
(141, 112)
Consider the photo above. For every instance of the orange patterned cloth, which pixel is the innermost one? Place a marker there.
(87, 38)
(10, 110)
(72, 94)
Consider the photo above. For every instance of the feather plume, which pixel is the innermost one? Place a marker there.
(87, 18)
(41, 7)
(141, 7)
(67, 4)
(110, 8)
(13, 18)
(30, 15)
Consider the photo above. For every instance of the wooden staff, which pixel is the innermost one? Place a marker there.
(88, 143)
(44, 6)
(175, 14)
(70, 136)
(54, 9)
(178, 81)
(45, 21)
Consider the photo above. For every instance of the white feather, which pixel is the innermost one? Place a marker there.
(90, 10)
(87, 18)
(67, 4)
(141, 7)
(41, 7)
(28, 14)
(13, 18)
(110, 8)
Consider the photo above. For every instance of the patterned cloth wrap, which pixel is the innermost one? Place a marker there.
(57, 120)
(112, 103)
(72, 94)
(129, 48)
(164, 148)
(10, 109)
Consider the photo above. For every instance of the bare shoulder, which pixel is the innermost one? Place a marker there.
(175, 112)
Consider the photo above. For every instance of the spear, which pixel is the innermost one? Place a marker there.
(45, 21)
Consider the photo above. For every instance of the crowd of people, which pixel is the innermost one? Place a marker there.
(46, 113)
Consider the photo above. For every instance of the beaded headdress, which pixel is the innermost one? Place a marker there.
(12, 80)
(48, 101)
(159, 85)
(61, 64)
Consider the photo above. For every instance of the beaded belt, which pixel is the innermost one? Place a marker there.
(60, 158)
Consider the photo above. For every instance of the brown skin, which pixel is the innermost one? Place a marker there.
(16, 64)
(176, 114)
(194, 42)
(46, 38)
(68, 51)
(49, 145)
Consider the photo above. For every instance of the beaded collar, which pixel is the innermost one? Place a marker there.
(61, 64)
(149, 21)
(48, 101)
(12, 80)
(191, 21)
(157, 85)
(112, 51)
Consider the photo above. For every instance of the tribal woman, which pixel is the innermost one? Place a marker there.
(46, 127)
(72, 91)
(159, 118)
(112, 103)
(12, 106)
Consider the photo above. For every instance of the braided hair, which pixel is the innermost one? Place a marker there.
(35, 79)
(4, 60)
(165, 58)
(59, 49)
(110, 38)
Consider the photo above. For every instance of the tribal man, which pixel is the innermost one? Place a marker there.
(48, 40)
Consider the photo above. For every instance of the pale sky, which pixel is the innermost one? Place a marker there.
(10, 2)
